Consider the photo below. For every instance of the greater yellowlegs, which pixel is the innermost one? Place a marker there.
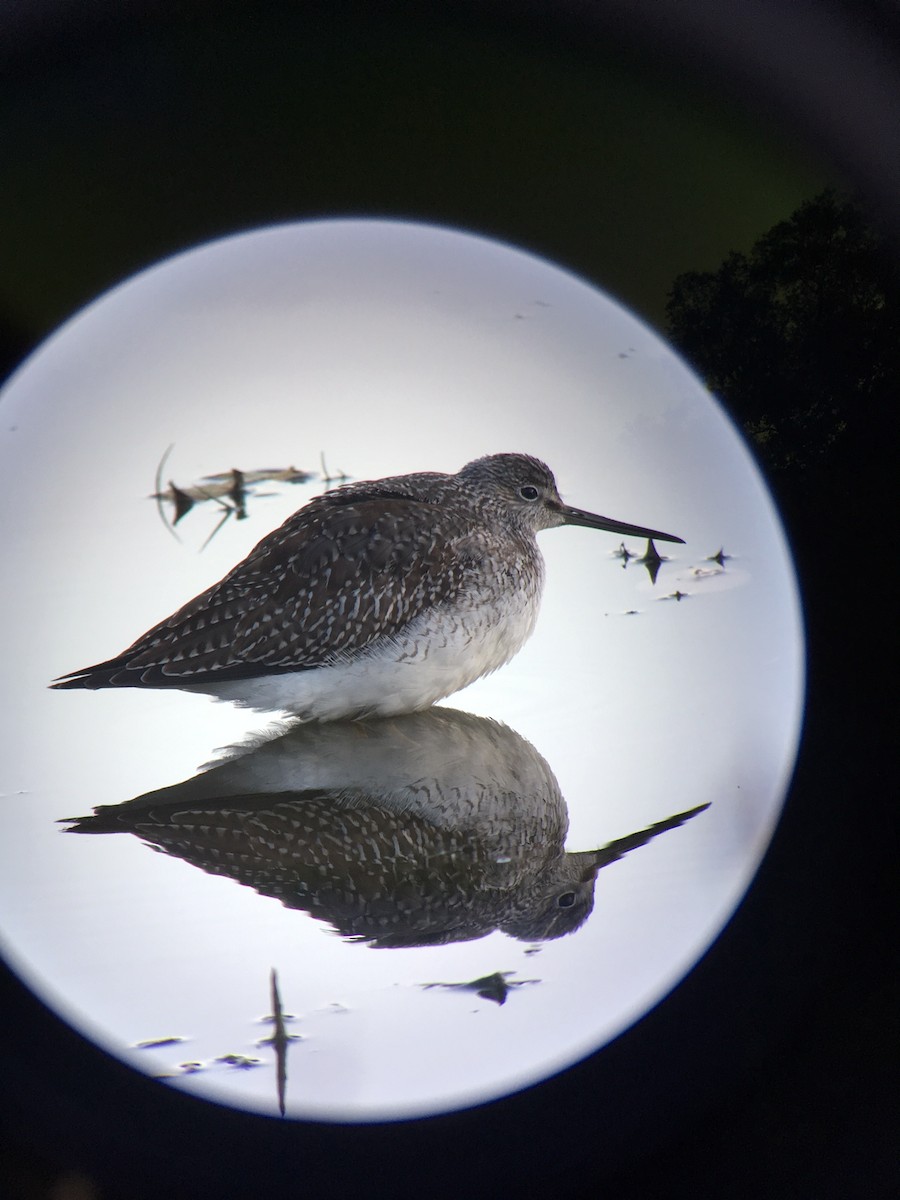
(419, 830)
(375, 599)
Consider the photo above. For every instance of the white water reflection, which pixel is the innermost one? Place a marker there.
(391, 348)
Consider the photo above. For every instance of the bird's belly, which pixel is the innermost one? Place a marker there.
(433, 657)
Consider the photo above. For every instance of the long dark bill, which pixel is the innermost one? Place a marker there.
(577, 516)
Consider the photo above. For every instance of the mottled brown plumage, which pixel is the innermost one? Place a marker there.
(431, 828)
(378, 597)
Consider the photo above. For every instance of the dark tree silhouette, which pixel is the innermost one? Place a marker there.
(800, 339)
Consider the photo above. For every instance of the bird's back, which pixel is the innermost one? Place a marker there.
(348, 571)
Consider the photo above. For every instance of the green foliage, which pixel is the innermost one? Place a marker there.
(800, 338)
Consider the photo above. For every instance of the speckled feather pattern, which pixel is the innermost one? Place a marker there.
(386, 571)
(433, 827)
(375, 875)
(341, 574)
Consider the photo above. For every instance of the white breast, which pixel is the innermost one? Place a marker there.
(435, 656)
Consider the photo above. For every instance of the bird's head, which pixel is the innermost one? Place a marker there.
(527, 490)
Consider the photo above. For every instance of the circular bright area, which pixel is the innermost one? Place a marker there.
(650, 690)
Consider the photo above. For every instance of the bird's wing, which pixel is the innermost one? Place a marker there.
(340, 573)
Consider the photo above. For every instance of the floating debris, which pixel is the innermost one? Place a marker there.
(327, 478)
(652, 560)
(280, 1040)
(230, 490)
(157, 1043)
(494, 987)
(243, 1061)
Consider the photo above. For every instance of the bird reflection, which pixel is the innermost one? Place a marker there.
(421, 830)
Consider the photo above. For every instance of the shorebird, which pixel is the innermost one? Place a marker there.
(374, 599)
(420, 830)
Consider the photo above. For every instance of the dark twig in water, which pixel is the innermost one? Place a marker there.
(159, 496)
(228, 489)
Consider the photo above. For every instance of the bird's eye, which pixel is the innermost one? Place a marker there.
(566, 900)
(528, 492)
